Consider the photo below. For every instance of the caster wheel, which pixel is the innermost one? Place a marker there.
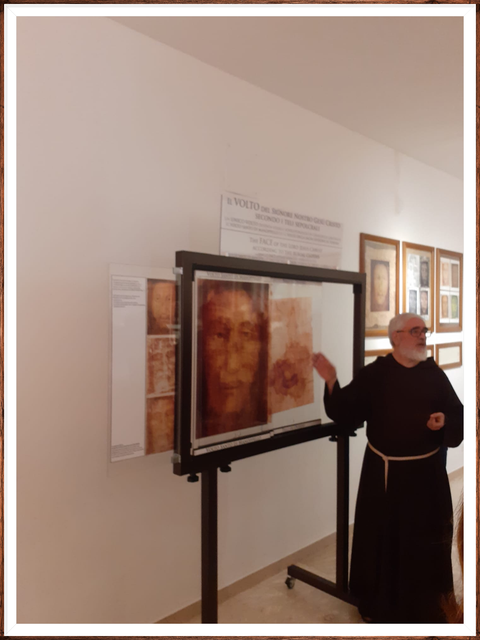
(290, 582)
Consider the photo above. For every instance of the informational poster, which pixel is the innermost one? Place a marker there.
(144, 335)
(254, 338)
(251, 229)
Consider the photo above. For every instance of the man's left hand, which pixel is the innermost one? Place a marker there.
(436, 421)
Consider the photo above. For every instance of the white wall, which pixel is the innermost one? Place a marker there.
(124, 147)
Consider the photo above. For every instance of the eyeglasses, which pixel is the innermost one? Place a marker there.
(416, 332)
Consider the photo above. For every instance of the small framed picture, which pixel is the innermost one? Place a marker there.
(371, 356)
(418, 261)
(379, 260)
(449, 291)
(449, 356)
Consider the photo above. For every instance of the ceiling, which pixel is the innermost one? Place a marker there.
(396, 80)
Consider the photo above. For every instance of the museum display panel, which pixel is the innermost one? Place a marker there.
(245, 380)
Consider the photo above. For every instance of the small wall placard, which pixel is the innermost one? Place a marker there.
(449, 356)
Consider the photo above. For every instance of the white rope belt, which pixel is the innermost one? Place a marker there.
(400, 458)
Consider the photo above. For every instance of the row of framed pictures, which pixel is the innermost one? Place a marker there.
(447, 356)
(439, 303)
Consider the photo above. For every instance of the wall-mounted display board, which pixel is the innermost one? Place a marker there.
(143, 344)
(379, 260)
(245, 378)
(418, 290)
(449, 291)
(449, 356)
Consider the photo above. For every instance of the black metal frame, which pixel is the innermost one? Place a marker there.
(208, 464)
(187, 263)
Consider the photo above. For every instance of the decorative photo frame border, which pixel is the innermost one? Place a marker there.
(448, 291)
(418, 281)
(450, 360)
(380, 261)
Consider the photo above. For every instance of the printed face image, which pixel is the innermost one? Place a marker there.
(445, 273)
(161, 306)
(160, 424)
(290, 358)
(379, 296)
(455, 275)
(454, 306)
(412, 301)
(160, 365)
(423, 303)
(232, 356)
(444, 307)
(424, 273)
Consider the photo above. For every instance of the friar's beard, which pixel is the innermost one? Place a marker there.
(418, 354)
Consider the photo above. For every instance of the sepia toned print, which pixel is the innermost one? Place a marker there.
(379, 293)
(291, 348)
(160, 365)
(161, 307)
(455, 275)
(232, 356)
(445, 273)
(160, 424)
(444, 307)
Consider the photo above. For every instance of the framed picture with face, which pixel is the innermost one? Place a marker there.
(418, 290)
(449, 294)
(379, 260)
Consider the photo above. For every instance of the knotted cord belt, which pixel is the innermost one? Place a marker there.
(386, 459)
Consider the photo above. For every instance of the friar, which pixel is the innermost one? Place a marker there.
(401, 568)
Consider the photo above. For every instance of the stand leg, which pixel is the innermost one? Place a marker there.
(342, 512)
(209, 547)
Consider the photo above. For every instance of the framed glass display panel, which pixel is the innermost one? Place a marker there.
(418, 290)
(449, 299)
(449, 356)
(379, 260)
(245, 379)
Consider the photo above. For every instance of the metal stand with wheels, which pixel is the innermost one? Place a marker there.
(339, 588)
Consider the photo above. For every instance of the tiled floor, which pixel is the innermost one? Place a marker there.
(272, 602)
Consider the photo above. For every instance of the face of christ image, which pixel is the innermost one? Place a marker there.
(161, 306)
(233, 357)
(379, 297)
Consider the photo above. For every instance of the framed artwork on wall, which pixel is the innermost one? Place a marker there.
(449, 298)
(418, 290)
(449, 356)
(379, 260)
(371, 356)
